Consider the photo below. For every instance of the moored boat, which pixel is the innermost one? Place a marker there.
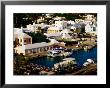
(88, 61)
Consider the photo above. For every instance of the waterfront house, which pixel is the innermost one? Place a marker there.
(33, 48)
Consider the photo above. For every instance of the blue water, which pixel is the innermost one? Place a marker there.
(80, 56)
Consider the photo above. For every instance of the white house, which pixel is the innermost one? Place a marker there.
(34, 27)
(91, 28)
(71, 22)
(21, 38)
(33, 48)
(66, 33)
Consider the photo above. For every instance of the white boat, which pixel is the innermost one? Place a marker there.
(88, 61)
(54, 53)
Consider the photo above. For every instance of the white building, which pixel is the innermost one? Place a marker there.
(71, 22)
(59, 18)
(53, 41)
(89, 17)
(91, 28)
(33, 48)
(34, 27)
(53, 35)
(21, 38)
(61, 24)
(49, 15)
(66, 33)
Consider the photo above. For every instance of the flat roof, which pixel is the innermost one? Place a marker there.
(53, 34)
(36, 45)
(70, 59)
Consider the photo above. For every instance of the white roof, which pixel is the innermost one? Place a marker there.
(36, 45)
(54, 28)
(25, 35)
(70, 59)
(54, 41)
(22, 34)
(58, 18)
(53, 34)
(17, 30)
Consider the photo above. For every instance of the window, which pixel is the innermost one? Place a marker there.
(25, 40)
(94, 29)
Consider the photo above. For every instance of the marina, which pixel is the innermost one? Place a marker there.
(53, 44)
(80, 56)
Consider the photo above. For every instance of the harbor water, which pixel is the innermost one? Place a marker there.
(81, 56)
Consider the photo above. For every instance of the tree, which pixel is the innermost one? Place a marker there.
(38, 37)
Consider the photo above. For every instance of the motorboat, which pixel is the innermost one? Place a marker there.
(54, 53)
(88, 61)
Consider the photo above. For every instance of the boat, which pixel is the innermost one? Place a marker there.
(54, 53)
(67, 53)
(88, 61)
